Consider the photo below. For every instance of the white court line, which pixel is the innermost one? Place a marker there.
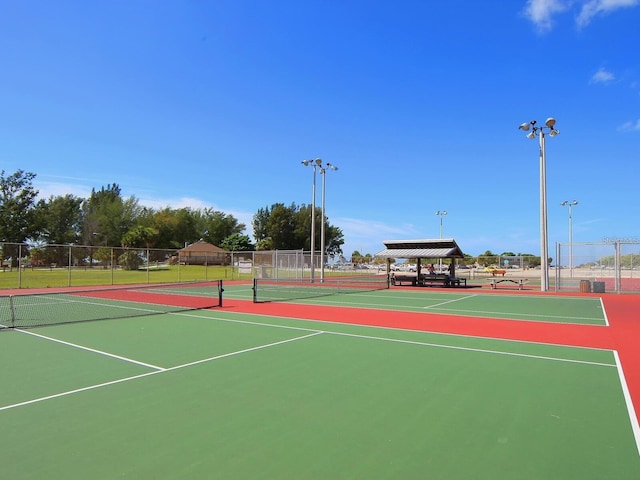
(101, 352)
(451, 301)
(126, 379)
(260, 347)
(374, 327)
(477, 350)
(413, 342)
(78, 390)
(627, 398)
(604, 311)
(465, 313)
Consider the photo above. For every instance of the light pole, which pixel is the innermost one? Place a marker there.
(313, 163)
(441, 213)
(323, 172)
(544, 238)
(569, 204)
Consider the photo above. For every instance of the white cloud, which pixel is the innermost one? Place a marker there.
(630, 126)
(592, 8)
(48, 189)
(602, 76)
(174, 203)
(540, 12)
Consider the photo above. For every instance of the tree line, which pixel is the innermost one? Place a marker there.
(106, 218)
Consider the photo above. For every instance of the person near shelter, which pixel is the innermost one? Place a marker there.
(432, 271)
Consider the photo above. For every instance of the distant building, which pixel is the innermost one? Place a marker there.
(203, 253)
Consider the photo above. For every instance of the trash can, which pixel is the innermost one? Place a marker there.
(585, 286)
(598, 287)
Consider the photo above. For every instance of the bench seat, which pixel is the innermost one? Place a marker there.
(520, 282)
(427, 280)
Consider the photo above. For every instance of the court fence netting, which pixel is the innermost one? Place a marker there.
(285, 289)
(612, 265)
(83, 305)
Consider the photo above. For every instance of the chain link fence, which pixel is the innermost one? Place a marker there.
(608, 266)
(40, 266)
(37, 266)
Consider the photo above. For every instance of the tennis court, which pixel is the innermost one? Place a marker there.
(401, 383)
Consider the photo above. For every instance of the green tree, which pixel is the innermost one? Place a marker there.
(214, 226)
(274, 227)
(130, 260)
(303, 228)
(487, 258)
(103, 255)
(184, 226)
(176, 228)
(288, 228)
(59, 219)
(334, 239)
(260, 225)
(59, 222)
(107, 217)
(140, 236)
(357, 257)
(237, 243)
(17, 215)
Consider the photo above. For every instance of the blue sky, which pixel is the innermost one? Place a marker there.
(216, 103)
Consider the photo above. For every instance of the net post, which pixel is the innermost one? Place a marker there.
(255, 291)
(12, 321)
(220, 290)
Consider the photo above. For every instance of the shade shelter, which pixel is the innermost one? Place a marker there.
(441, 248)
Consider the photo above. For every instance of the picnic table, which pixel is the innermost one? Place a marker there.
(520, 282)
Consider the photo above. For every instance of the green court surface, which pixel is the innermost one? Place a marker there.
(562, 309)
(225, 394)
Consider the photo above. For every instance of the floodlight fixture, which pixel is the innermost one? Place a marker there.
(441, 213)
(544, 240)
(313, 163)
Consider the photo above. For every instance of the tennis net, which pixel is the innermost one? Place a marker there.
(282, 290)
(53, 308)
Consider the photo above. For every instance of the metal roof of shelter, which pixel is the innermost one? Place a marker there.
(425, 248)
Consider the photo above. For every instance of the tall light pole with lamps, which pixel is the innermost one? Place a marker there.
(544, 237)
(569, 204)
(441, 213)
(323, 172)
(315, 164)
